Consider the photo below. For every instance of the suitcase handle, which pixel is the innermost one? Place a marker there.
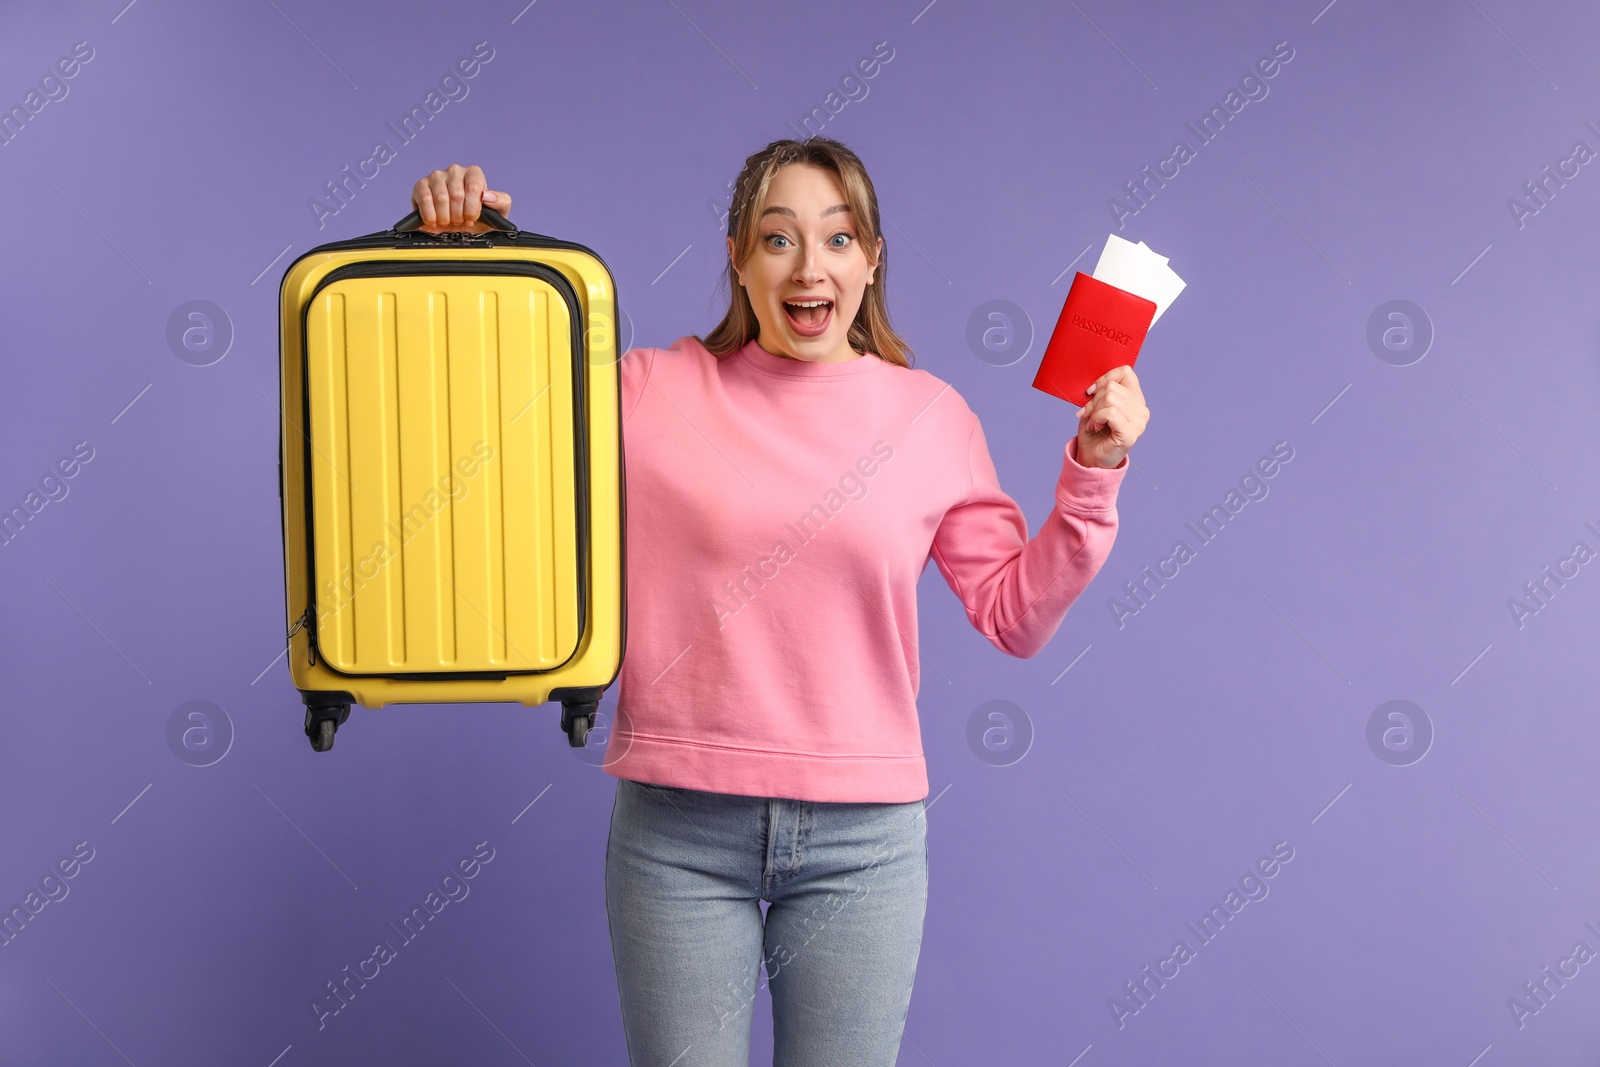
(486, 214)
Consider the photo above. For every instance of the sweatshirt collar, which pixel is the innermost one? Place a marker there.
(782, 366)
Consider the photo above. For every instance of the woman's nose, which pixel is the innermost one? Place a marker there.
(807, 271)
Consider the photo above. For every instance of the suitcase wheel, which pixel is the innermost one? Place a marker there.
(322, 740)
(576, 718)
(322, 722)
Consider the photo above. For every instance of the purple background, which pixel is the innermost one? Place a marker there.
(1231, 713)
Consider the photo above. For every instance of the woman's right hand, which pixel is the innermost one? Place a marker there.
(450, 199)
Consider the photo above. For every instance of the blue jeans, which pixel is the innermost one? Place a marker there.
(847, 886)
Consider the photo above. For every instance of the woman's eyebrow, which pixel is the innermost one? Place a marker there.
(785, 211)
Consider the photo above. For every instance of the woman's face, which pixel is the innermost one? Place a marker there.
(806, 247)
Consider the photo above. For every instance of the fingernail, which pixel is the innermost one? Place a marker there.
(488, 196)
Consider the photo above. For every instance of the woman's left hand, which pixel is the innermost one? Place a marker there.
(1112, 420)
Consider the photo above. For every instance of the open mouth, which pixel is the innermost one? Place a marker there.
(810, 317)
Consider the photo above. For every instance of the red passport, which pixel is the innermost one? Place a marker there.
(1100, 327)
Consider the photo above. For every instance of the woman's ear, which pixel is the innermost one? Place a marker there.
(736, 270)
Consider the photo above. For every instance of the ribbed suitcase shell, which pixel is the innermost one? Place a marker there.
(455, 405)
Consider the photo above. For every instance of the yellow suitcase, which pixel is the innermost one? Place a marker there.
(451, 473)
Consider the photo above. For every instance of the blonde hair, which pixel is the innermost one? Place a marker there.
(870, 331)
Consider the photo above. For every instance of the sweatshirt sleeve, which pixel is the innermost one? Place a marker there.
(1016, 590)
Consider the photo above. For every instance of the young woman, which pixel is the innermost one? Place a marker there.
(789, 478)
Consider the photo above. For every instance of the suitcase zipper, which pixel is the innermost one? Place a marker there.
(419, 239)
(304, 623)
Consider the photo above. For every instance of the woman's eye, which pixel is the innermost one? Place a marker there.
(843, 238)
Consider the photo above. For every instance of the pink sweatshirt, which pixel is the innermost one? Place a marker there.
(779, 514)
